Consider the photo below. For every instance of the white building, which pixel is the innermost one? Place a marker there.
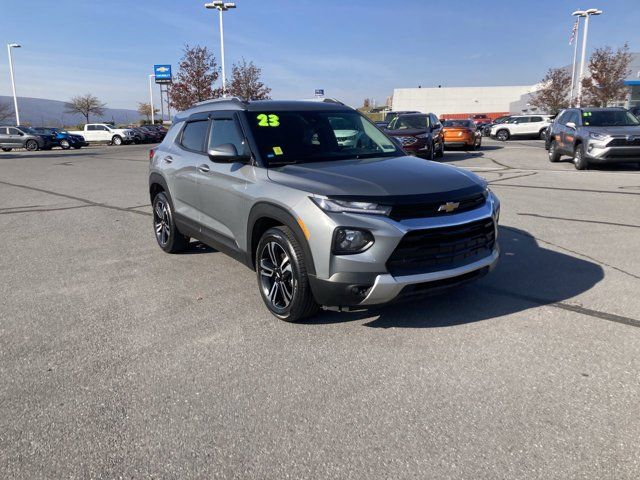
(459, 100)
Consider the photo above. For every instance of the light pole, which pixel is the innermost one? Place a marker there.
(575, 38)
(586, 14)
(13, 81)
(221, 7)
(153, 119)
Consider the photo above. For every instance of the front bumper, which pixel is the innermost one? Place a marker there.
(596, 152)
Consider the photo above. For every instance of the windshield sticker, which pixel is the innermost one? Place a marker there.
(277, 150)
(586, 114)
(270, 120)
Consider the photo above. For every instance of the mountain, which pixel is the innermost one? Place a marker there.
(42, 112)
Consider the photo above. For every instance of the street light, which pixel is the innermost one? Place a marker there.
(221, 7)
(13, 82)
(153, 119)
(586, 14)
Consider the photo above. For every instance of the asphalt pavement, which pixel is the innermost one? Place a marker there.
(120, 361)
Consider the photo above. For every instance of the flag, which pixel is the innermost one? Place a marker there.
(574, 31)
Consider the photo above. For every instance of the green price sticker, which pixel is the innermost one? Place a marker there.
(270, 120)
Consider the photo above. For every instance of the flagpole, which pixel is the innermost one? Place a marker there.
(575, 57)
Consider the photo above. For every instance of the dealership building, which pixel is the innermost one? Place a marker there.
(461, 102)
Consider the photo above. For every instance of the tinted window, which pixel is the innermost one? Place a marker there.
(225, 130)
(194, 134)
(409, 122)
(609, 118)
(3, 131)
(458, 123)
(14, 131)
(573, 117)
(91, 127)
(562, 119)
(536, 119)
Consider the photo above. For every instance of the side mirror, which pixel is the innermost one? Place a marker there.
(226, 153)
(571, 125)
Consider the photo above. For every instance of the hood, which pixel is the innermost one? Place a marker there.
(406, 131)
(615, 131)
(378, 177)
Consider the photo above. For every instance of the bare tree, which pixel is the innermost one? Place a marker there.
(6, 111)
(144, 109)
(194, 82)
(607, 69)
(245, 82)
(554, 94)
(85, 105)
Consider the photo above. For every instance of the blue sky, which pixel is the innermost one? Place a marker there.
(351, 48)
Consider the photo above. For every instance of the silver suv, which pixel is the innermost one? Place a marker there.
(321, 221)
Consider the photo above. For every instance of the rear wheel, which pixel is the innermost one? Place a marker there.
(543, 134)
(554, 156)
(168, 236)
(282, 276)
(477, 143)
(117, 140)
(503, 135)
(64, 144)
(579, 160)
(4, 149)
(31, 145)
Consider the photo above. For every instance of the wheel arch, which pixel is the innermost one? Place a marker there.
(157, 184)
(265, 215)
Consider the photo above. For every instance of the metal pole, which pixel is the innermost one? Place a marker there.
(13, 85)
(575, 57)
(161, 105)
(168, 105)
(224, 78)
(153, 119)
(584, 53)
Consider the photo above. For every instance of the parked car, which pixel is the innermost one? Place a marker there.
(595, 135)
(23, 137)
(461, 133)
(321, 224)
(419, 134)
(521, 126)
(486, 129)
(105, 133)
(153, 135)
(480, 119)
(62, 138)
(389, 116)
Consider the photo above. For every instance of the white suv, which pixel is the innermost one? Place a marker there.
(522, 125)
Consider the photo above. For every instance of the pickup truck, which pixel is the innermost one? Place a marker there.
(102, 132)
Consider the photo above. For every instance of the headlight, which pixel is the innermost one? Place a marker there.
(598, 136)
(347, 241)
(344, 206)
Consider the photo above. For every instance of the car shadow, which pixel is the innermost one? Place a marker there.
(197, 247)
(527, 276)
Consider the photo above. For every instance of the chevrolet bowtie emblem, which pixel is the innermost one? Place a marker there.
(449, 207)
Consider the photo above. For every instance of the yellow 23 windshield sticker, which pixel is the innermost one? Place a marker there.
(269, 120)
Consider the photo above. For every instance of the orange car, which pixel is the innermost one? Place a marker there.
(461, 133)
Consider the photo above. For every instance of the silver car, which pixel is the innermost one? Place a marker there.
(322, 222)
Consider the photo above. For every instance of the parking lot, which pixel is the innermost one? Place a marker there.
(120, 361)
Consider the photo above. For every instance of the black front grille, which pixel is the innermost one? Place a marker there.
(431, 209)
(432, 250)
(624, 142)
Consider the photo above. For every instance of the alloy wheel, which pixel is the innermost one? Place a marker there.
(162, 222)
(276, 276)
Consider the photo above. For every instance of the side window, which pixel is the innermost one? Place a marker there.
(536, 119)
(91, 127)
(3, 131)
(14, 131)
(194, 134)
(103, 128)
(562, 119)
(225, 130)
(434, 119)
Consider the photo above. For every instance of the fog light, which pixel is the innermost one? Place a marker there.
(347, 241)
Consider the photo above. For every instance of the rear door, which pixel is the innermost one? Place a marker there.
(536, 124)
(222, 186)
(15, 137)
(4, 137)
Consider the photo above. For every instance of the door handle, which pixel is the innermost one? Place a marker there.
(168, 159)
(204, 168)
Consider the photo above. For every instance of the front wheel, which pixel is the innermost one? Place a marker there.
(579, 160)
(282, 276)
(64, 144)
(440, 151)
(503, 135)
(31, 145)
(554, 156)
(116, 140)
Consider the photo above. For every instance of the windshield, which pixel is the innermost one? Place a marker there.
(608, 118)
(317, 136)
(457, 123)
(409, 122)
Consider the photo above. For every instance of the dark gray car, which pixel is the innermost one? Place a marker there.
(323, 221)
(595, 135)
(22, 137)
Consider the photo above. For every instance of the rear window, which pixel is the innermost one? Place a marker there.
(458, 123)
(194, 134)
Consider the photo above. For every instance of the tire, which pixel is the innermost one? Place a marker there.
(440, 151)
(543, 134)
(503, 135)
(432, 153)
(167, 234)
(4, 149)
(64, 144)
(579, 160)
(554, 156)
(31, 145)
(477, 144)
(116, 140)
(285, 291)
